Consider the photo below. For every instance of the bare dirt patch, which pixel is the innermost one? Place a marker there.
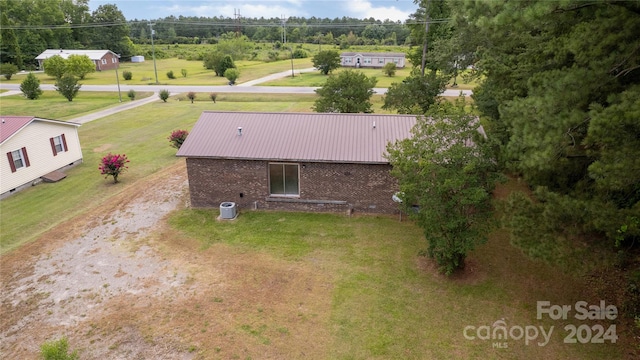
(121, 284)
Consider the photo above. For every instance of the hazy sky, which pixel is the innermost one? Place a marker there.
(154, 9)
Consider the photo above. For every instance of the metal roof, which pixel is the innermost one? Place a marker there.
(313, 137)
(64, 53)
(10, 125)
(373, 54)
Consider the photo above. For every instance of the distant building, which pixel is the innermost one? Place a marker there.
(104, 59)
(294, 161)
(34, 147)
(371, 60)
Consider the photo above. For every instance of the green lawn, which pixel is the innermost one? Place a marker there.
(52, 105)
(144, 73)
(387, 302)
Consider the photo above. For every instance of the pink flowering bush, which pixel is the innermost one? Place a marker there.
(113, 165)
(178, 137)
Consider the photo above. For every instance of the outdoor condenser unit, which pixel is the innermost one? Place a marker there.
(228, 210)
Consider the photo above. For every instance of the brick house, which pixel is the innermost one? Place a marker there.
(103, 59)
(294, 161)
(371, 59)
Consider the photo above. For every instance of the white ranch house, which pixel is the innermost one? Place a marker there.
(35, 147)
(371, 59)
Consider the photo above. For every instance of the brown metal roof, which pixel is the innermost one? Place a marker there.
(10, 125)
(320, 137)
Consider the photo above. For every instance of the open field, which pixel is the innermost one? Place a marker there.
(197, 74)
(130, 271)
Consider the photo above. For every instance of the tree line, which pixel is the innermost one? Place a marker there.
(28, 27)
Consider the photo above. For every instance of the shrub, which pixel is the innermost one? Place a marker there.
(389, 69)
(131, 94)
(170, 74)
(113, 165)
(177, 137)
(8, 70)
(30, 87)
(232, 75)
(68, 86)
(191, 95)
(213, 96)
(127, 75)
(300, 54)
(57, 350)
(183, 72)
(164, 95)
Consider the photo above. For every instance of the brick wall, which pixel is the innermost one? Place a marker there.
(324, 187)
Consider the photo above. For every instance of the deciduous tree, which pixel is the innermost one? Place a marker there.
(326, 61)
(446, 175)
(80, 65)
(55, 66)
(349, 91)
(68, 86)
(416, 93)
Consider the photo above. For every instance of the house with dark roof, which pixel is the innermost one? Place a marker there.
(294, 161)
(371, 59)
(103, 59)
(34, 148)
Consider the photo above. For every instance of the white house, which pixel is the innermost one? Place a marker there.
(103, 59)
(371, 59)
(34, 147)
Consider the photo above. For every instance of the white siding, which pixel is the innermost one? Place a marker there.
(35, 138)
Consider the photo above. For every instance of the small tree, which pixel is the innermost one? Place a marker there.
(30, 87)
(127, 75)
(8, 70)
(80, 65)
(57, 350)
(68, 86)
(178, 137)
(170, 74)
(232, 75)
(184, 72)
(191, 95)
(446, 169)
(389, 69)
(326, 61)
(213, 97)
(131, 94)
(113, 165)
(348, 92)
(164, 95)
(416, 93)
(55, 66)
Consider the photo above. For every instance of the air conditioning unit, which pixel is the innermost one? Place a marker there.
(228, 210)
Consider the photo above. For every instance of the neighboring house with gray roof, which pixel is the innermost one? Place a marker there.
(294, 161)
(371, 59)
(103, 59)
(34, 147)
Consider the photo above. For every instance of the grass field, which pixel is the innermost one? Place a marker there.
(144, 73)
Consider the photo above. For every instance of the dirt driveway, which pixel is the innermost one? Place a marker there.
(121, 284)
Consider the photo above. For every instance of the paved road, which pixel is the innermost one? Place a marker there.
(246, 88)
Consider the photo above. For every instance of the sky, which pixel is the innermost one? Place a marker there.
(395, 10)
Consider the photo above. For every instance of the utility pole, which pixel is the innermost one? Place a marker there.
(426, 33)
(284, 29)
(118, 78)
(153, 51)
(236, 17)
